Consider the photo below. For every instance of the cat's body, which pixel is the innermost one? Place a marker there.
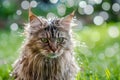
(47, 53)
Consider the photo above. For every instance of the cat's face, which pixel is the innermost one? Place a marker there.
(52, 41)
(50, 38)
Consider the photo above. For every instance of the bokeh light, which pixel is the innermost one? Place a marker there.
(98, 20)
(14, 26)
(116, 7)
(54, 1)
(93, 2)
(51, 15)
(18, 12)
(89, 9)
(25, 5)
(61, 9)
(33, 4)
(82, 4)
(80, 11)
(98, 1)
(104, 14)
(113, 31)
(106, 6)
(70, 3)
(110, 51)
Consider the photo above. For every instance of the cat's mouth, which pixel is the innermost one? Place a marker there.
(52, 55)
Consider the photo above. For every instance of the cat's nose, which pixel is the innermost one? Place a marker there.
(53, 48)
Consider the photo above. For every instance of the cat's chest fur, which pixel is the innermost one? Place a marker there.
(41, 68)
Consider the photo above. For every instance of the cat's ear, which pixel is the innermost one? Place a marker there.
(34, 21)
(67, 21)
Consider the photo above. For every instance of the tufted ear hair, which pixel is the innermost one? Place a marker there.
(67, 21)
(35, 22)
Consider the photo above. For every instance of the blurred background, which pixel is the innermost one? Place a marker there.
(97, 35)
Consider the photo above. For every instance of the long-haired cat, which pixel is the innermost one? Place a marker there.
(47, 53)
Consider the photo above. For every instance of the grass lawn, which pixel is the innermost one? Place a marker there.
(97, 52)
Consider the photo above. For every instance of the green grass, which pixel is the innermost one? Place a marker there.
(9, 46)
(97, 53)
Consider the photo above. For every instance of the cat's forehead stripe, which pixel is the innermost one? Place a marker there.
(52, 30)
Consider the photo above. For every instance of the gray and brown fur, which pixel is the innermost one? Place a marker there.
(46, 60)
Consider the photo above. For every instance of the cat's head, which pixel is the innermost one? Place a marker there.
(50, 38)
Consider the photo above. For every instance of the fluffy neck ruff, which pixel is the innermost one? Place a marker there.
(34, 66)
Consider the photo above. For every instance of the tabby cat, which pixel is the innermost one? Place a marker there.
(47, 53)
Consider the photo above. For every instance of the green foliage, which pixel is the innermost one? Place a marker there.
(92, 52)
(9, 45)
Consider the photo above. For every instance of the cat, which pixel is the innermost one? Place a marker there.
(47, 53)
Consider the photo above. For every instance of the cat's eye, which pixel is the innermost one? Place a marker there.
(60, 40)
(45, 40)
